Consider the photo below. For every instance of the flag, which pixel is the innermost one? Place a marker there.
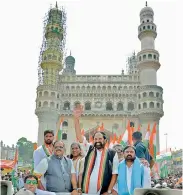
(34, 148)
(129, 129)
(90, 139)
(111, 141)
(152, 142)
(164, 170)
(114, 138)
(107, 144)
(59, 131)
(119, 139)
(102, 127)
(15, 170)
(147, 136)
(139, 127)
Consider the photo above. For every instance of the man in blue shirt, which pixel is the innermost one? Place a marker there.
(142, 151)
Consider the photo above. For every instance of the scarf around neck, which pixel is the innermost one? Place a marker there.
(137, 177)
(90, 162)
(48, 151)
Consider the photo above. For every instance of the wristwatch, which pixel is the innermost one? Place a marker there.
(109, 192)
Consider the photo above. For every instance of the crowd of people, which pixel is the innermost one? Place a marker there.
(91, 168)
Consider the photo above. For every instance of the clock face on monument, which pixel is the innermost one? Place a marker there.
(98, 105)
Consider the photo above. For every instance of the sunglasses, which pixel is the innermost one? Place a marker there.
(59, 147)
(33, 182)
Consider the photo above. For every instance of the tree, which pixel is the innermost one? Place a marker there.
(25, 149)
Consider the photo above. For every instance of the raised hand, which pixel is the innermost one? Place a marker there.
(78, 111)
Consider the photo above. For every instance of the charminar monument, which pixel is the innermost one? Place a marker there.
(110, 100)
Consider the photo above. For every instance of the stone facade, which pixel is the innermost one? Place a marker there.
(7, 152)
(107, 99)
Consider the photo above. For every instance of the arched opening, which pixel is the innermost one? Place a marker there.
(144, 105)
(65, 124)
(66, 106)
(157, 94)
(104, 88)
(140, 58)
(132, 124)
(149, 56)
(120, 107)
(98, 88)
(87, 106)
(46, 93)
(109, 106)
(52, 94)
(45, 104)
(144, 94)
(130, 106)
(109, 88)
(93, 87)
(139, 106)
(144, 57)
(114, 87)
(52, 104)
(158, 105)
(57, 106)
(151, 94)
(40, 94)
(64, 136)
(151, 104)
(58, 96)
(139, 96)
(39, 105)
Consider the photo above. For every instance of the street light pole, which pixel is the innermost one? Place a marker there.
(166, 134)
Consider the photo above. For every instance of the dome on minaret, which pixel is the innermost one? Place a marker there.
(70, 60)
(146, 10)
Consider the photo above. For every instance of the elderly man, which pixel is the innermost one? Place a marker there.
(59, 171)
(132, 173)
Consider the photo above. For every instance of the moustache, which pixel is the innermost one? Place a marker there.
(98, 144)
(58, 150)
(129, 156)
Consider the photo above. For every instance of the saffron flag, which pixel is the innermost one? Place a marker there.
(147, 136)
(152, 142)
(59, 131)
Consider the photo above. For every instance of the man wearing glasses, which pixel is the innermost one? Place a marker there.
(30, 185)
(58, 171)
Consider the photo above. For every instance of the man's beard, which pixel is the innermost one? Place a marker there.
(129, 158)
(48, 141)
(99, 145)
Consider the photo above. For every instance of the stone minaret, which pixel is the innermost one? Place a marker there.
(47, 102)
(150, 102)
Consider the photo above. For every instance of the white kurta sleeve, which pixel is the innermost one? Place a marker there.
(72, 168)
(115, 164)
(42, 167)
(147, 177)
(36, 157)
(85, 146)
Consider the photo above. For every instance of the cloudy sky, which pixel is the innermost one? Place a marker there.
(101, 35)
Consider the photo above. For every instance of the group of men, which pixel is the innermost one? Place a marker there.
(92, 169)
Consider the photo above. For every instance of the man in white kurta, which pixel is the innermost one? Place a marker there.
(43, 152)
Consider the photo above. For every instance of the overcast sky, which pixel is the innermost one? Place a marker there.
(101, 35)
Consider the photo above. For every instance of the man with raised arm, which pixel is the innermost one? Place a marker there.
(100, 169)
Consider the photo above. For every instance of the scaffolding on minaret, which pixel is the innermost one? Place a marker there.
(62, 22)
(131, 65)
